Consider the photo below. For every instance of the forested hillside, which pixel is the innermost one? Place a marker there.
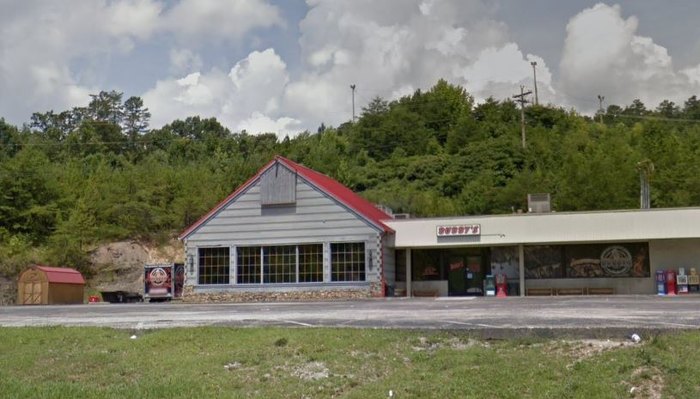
(71, 179)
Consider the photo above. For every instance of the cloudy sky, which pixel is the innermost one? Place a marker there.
(286, 65)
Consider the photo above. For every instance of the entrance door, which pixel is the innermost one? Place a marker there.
(456, 276)
(465, 274)
(32, 293)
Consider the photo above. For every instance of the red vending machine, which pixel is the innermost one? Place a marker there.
(670, 282)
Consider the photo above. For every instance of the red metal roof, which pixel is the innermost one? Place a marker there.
(62, 275)
(341, 193)
(334, 189)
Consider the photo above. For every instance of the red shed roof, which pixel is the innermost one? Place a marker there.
(331, 187)
(62, 275)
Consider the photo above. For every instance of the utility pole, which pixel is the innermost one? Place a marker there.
(352, 87)
(534, 73)
(521, 99)
(600, 107)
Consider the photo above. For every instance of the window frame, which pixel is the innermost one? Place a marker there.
(294, 264)
(353, 260)
(222, 275)
(246, 272)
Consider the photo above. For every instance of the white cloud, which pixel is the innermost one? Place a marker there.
(184, 61)
(245, 98)
(391, 48)
(604, 55)
(137, 18)
(387, 49)
(42, 42)
(259, 123)
(195, 19)
(693, 74)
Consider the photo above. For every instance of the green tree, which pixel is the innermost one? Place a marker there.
(136, 117)
(27, 195)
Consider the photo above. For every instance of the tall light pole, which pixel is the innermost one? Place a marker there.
(534, 73)
(352, 87)
(600, 107)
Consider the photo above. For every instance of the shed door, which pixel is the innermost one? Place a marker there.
(32, 293)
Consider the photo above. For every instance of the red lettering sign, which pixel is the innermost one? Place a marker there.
(458, 230)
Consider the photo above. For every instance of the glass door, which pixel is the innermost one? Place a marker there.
(464, 270)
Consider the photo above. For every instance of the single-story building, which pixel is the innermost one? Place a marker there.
(45, 285)
(292, 233)
(289, 232)
(606, 252)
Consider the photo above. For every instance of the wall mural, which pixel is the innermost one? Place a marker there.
(587, 261)
(505, 260)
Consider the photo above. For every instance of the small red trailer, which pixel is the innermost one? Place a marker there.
(163, 282)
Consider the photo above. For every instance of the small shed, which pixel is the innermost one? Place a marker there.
(44, 285)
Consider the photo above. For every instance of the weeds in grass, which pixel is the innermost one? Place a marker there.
(213, 362)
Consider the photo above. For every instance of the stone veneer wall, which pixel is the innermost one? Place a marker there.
(189, 296)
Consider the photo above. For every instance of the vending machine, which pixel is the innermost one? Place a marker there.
(660, 282)
(682, 281)
(670, 282)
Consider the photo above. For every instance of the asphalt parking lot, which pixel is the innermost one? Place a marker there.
(492, 317)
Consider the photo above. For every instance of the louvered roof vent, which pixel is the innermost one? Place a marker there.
(539, 203)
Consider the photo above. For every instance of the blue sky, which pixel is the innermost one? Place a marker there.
(286, 65)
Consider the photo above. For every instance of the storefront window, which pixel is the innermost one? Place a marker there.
(504, 260)
(426, 265)
(310, 263)
(280, 264)
(587, 261)
(214, 265)
(348, 261)
(248, 270)
(544, 261)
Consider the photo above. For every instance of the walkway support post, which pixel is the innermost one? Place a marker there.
(521, 267)
(409, 289)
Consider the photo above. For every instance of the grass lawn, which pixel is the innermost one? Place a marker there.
(218, 362)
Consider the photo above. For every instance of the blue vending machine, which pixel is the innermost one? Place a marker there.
(660, 282)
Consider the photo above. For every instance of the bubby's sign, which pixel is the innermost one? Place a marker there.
(458, 230)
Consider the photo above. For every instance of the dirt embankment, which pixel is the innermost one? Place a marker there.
(8, 290)
(116, 266)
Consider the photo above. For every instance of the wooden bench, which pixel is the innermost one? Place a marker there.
(570, 291)
(601, 291)
(425, 293)
(539, 292)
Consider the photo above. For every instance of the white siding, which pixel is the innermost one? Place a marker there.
(315, 218)
(551, 228)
